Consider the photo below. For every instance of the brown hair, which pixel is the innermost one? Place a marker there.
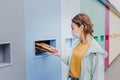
(83, 19)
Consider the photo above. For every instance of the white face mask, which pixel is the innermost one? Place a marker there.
(75, 35)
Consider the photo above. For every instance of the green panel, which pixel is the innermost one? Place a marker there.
(96, 38)
(102, 38)
(96, 11)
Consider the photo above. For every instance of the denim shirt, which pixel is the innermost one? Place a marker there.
(92, 63)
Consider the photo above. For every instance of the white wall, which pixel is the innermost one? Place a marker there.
(69, 8)
(114, 36)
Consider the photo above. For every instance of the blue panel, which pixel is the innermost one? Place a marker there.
(42, 22)
(46, 68)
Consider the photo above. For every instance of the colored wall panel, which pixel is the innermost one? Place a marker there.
(107, 35)
(96, 12)
(42, 22)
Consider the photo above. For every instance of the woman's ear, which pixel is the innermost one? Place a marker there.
(82, 27)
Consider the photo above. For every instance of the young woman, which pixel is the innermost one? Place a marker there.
(87, 58)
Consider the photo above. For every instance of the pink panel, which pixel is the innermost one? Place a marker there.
(107, 35)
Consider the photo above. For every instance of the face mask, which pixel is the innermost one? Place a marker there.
(75, 35)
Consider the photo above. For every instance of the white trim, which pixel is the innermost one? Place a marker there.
(5, 64)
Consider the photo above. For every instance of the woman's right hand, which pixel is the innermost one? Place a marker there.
(57, 52)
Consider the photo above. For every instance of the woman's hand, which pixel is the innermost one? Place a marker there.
(45, 47)
(57, 53)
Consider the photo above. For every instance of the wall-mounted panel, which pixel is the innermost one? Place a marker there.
(42, 23)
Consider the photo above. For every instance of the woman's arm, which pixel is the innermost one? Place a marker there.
(98, 67)
(64, 57)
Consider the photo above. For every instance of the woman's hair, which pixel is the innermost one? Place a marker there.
(83, 19)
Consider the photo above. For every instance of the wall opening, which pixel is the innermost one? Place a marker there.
(39, 47)
(69, 42)
(5, 57)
